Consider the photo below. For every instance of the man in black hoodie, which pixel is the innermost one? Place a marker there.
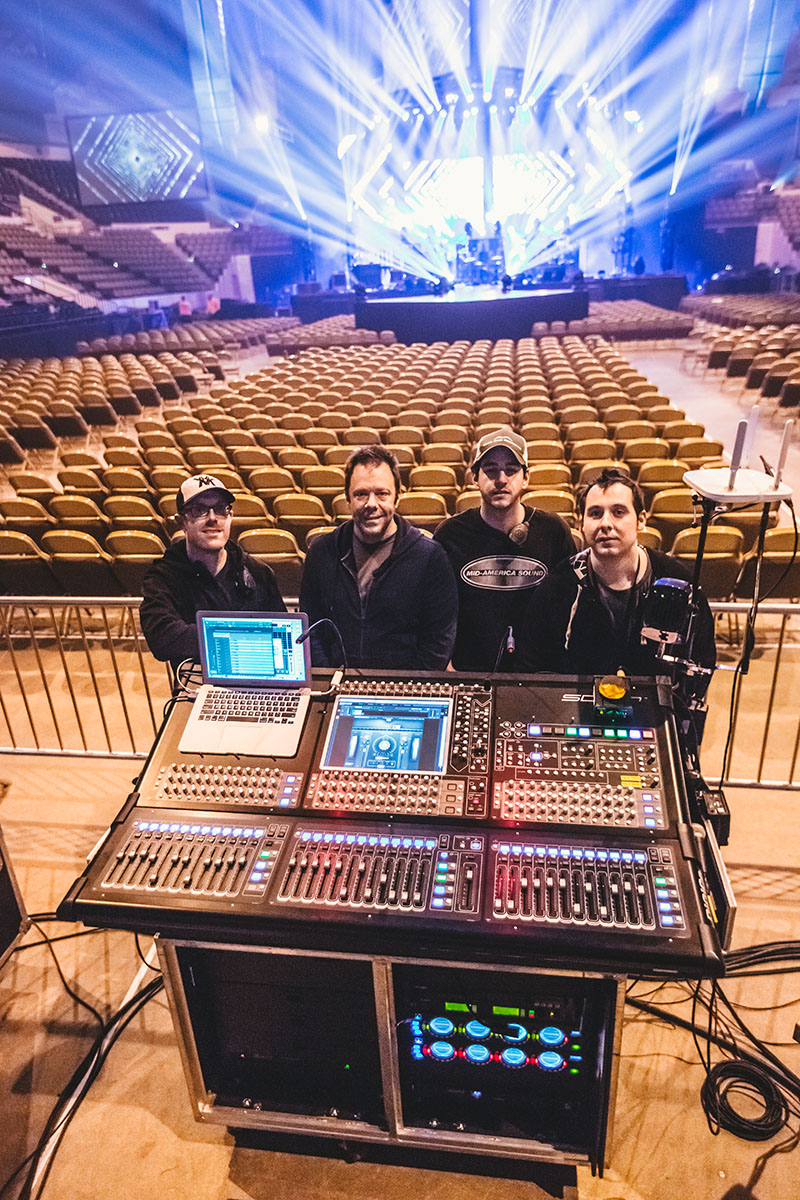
(388, 589)
(586, 617)
(205, 571)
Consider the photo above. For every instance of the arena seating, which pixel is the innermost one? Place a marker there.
(279, 437)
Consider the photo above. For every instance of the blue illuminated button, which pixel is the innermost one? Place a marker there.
(477, 1029)
(442, 1050)
(548, 1060)
(534, 730)
(516, 1033)
(584, 731)
(514, 1057)
(635, 733)
(551, 1035)
(442, 1026)
(477, 1053)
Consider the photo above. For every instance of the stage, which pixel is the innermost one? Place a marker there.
(470, 312)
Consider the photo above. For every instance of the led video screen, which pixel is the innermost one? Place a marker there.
(133, 158)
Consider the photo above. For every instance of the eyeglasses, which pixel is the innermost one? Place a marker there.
(199, 512)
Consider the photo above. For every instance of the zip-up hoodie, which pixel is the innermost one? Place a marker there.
(568, 628)
(407, 620)
(176, 588)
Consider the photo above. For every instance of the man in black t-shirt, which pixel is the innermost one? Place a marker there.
(499, 553)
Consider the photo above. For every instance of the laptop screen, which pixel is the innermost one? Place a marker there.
(254, 649)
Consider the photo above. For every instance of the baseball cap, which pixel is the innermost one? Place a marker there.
(198, 485)
(504, 436)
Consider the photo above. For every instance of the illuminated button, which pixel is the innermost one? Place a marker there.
(647, 733)
(551, 1035)
(548, 1060)
(622, 733)
(572, 731)
(583, 731)
(514, 1057)
(477, 1053)
(662, 893)
(665, 906)
(650, 822)
(636, 734)
(534, 730)
(608, 733)
(516, 1033)
(442, 1050)
(477, 1029)
(667, 920)
(441, 1026)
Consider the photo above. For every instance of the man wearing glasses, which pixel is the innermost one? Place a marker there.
(499, 552)
(204, 571)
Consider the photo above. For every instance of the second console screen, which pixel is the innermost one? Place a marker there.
(388, 734)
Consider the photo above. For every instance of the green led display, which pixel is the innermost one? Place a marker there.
(500, 1010)
(453, 1007)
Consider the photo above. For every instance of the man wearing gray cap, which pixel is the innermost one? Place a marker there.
(206, 570)
(499, 552)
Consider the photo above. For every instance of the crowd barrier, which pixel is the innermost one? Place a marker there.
(78, 679)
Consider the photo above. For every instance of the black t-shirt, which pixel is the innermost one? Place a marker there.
(495, 576)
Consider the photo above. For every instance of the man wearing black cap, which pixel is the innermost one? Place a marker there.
(499, 552)
(204, 571)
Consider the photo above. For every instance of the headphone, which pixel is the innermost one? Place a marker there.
(519, 533)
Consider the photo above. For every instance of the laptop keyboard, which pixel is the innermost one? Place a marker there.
(274, 708)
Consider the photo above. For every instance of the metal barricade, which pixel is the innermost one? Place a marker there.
(76, 677)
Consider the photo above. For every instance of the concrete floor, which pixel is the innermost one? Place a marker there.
(134, 1135)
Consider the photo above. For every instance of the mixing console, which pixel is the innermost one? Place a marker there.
(377, 868)
(632, 887)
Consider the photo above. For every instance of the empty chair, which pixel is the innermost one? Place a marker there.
(80, 512)
(269, 482)
(675, 432)
(299, 512)
(83, 458)
(441, 479)
(649, 538)
(671, 511)
(549, 475)
(658, 474)
(205, 459)
(132, 553)
(468, 498)
(638, 451)
(32, 435)
(780, 568)
(747, 519)
(426, 510)
(24, 567)
(128, 482)
(82, 482)
(133, 512)
(296, 459)
(695, 452)
(26, 515)
(552, 500)
(80, 564)
(722, 558)
(323, 481)
(277, 548)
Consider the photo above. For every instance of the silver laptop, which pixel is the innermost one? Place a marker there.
(256, 685)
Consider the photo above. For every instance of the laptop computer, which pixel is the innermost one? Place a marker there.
(256, 685)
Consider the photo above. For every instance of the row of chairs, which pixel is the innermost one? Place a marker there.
(72, 562)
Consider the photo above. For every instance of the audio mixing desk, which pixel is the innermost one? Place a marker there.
(472, 864)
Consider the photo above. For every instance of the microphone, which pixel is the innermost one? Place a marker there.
(507, 645)
(326, 621)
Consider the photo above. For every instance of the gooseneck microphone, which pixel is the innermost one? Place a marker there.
(507, 646)
(335, 628)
